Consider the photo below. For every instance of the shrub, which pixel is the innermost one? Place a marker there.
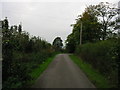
(21, 54)
(103, 56)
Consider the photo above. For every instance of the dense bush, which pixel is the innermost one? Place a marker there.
(103, 56)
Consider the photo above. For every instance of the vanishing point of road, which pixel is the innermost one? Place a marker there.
(63, 73)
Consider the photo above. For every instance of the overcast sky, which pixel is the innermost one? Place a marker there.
(45, 19)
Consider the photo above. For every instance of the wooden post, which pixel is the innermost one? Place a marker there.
(81, 34)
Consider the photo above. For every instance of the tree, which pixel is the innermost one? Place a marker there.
(5, 23)
(70, 43)
(91, 30)
(57, 43)
(20, 28)
(91, 26)
(5, 28)
(105, 13)
(7, 49)
(97, 23)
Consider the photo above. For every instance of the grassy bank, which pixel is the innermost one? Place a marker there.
(96, 78)
(35, 73)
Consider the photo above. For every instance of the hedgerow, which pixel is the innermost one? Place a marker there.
(103, 56)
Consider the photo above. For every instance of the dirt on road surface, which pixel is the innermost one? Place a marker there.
(63, 73)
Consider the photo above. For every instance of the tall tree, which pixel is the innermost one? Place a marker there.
(5, 23)
(105, 14)
(91, 28)
(20, 28)
(97, 23)
(5, 28)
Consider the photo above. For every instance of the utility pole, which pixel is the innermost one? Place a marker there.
(81, 34)
(118, 17)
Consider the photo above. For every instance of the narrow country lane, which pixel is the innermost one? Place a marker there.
(63, 73)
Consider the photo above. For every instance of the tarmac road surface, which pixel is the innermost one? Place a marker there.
(63, 73)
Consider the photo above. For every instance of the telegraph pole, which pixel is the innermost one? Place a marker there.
(118, 17)
(81, 34)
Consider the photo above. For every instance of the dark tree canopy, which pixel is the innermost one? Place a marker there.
(57, 43)
(5, 23)
(70, 44)
(20, 28)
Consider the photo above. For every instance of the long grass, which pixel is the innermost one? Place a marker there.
(35, 73)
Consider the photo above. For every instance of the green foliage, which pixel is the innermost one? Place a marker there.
(102, 56)
(37, 71)
(97, 24)
(70, 44)
(91, 27)
(21, 54)
(91, 30)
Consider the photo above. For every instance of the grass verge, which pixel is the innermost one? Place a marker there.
(94, 76)
(38, 71)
